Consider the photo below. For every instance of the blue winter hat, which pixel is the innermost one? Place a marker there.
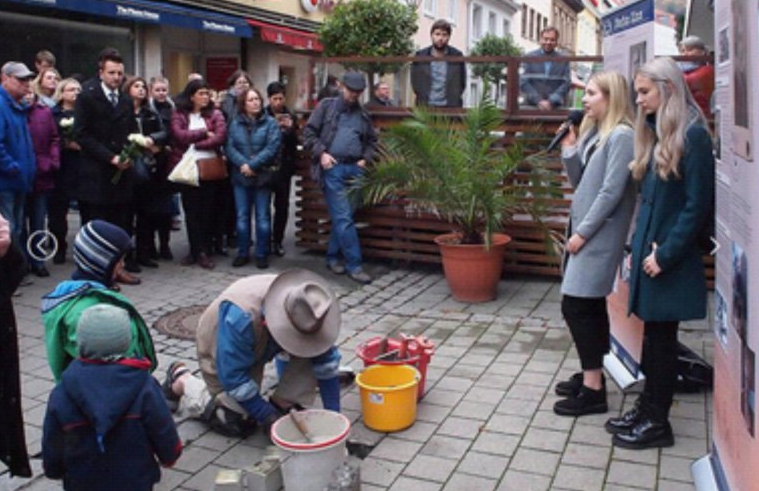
(103, 332)
(98, 246)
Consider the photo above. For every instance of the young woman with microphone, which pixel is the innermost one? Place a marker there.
(596, 162)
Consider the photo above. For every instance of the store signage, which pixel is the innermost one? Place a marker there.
(217, 27)
(139, 14)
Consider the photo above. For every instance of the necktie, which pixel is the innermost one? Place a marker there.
(114, 98)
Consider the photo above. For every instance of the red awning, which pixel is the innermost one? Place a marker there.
(290, 37)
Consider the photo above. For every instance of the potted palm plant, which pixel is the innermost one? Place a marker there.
(454, 168)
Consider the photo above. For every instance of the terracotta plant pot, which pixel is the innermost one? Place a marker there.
(472, 272)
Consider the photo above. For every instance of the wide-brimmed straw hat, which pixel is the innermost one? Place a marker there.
(302, 313)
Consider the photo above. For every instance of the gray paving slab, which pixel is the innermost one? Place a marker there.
(485, 423)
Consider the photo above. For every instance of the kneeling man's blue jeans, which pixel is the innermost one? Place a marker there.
(246, 197)
(343, 237)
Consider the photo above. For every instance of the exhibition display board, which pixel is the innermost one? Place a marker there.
(735, 450)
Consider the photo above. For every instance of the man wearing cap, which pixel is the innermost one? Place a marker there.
(99, 250)
(699, 75)
(107, 425)
(252, 321)
(342, 141)
(17, 160)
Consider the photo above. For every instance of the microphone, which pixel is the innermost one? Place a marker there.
(574, 118)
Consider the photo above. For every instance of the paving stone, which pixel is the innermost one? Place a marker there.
(467, 429)
(506, 423)
(170, 479)
(420, 431)
(473, 410)
(380, 472)
(496, 443)
(432, 413)
(629, 474)
(428, 467)
(404, 483)
(483, 465)
(675, 468)
(446, 447)
(545, 439)
(459, 481)
(592, 435)
(484, 395)
(203, 480)
(579, 478)
(665, 485)
(515, 480)
(582, 455)
(535, 461)
(396, 449)
(693, 448)
(549, 420)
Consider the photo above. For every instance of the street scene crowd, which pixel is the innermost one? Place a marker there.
(109, 147)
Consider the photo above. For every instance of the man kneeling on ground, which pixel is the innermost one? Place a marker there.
(255, 319)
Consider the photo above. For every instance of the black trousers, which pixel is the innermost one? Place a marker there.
(121, 215)
(57, 220)
(281, 208)
(201, 215)
(588, 321)
(659, 364)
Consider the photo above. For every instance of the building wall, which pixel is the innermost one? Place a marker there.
(529, 20)
(588, 34)
(454, 11)
(292, 7)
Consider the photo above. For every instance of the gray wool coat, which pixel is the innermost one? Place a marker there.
(601, 211)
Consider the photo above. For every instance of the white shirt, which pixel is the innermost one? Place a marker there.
(197, 123)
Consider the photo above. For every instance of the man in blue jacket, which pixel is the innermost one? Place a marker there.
(17, 161)
(544, 84)
(293, 316)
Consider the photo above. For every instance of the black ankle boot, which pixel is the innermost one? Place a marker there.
(587, 401)
(569, 387)
(648, 433)
(628, 420)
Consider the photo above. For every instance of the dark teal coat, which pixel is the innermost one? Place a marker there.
(671, 214)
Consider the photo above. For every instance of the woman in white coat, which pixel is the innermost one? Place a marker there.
(602, 207)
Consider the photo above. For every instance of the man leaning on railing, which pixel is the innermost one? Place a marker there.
(544, 84)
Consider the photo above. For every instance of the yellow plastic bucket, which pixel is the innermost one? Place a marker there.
(388, 396)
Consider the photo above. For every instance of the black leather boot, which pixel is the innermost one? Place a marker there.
(627, 421)
(569, 387)
(652, 431)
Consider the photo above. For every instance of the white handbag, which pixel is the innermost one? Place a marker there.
(186, 171)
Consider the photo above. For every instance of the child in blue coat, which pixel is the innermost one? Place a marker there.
(107, 425)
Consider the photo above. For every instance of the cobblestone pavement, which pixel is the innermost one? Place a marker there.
(485, 422)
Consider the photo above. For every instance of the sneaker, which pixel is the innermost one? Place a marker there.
(360, 276)
(166, 254)
(176, 369)
(336, 267)
(176, 224)
(147, 262)
(40, 271)
(277, 249)
(587, 401)
(205, 262)
(262, 262)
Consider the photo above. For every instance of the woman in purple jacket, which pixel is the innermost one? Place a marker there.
(197, 122)
(47, 149)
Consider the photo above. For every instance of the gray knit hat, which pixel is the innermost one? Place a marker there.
(103, 332)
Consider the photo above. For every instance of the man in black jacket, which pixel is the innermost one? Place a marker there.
(342, 141)
(439, 83)
(285, 160)
(103, 120)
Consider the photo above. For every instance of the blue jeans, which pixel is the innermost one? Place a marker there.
(343, 237)
(12, 209)
(36, 213)
(245, 199)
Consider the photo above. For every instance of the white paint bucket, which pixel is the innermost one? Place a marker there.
(309, 465)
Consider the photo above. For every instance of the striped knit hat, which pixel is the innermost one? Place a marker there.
(97, 248)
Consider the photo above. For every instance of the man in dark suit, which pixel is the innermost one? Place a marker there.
(544, 84)
(439, 83)
(103, 120)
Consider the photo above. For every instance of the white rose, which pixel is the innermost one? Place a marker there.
(67, 122)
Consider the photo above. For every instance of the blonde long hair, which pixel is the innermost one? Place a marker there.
(37, 82)
(677, 111)
(614, 88)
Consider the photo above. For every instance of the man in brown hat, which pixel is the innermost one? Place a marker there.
(252, 321)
